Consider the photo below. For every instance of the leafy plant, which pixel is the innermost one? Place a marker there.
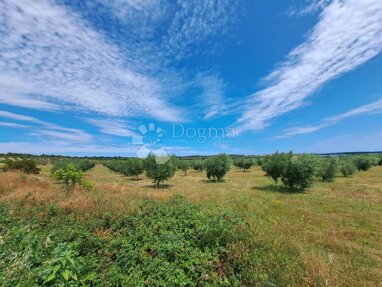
(299, 173)
(217, 166)
(347, 167)
(184, 165)
(198, 165)
(244, 163)
(160, 169)
(328, 168)
(62, 269)
(275, 165)
(25, 165)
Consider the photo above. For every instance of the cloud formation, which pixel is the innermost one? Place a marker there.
(52, 59)
(348, 34)
(365, 109)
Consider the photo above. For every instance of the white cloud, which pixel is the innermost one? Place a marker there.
(51, 57)
(112, 127)
(365, 109)
(12, 125)
(46, 129)
(348, 34)
(313, 7)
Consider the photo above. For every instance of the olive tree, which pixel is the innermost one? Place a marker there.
(198, 165)
(299, 173)
(184, 165)
(135, 167)
(363, 162)
(244, 163)
(160, 170)
(347, 167)
(217, 166)
(274, 165)
(327, 169)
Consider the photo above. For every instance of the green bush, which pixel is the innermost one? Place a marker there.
(244, 163)
(198, 165)
(217, 166)
(25, 165)
(158, 171)
(274, 165)
(184, 165)
(363, 163)
(82, 165)
(299, 172)
(71, 175)
(347, 167)
(327, 169)
(380, 161)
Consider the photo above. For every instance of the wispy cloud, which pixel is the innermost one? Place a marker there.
(365, 109)
(51, 57)
(45, 129)
(112, 127)
(313, 7)
(348, 34)
(12, 125)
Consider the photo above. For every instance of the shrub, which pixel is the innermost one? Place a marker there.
(347, 167)
(135, 167)
(25, 165)
(82, 165)
(198, 165)
(363, 162)
(69, 174)
(299, 173)
(184, 165)
(380, 161)
(217, 166)
(328, 168)
(158, 171)
(275, 164)
(244, 163)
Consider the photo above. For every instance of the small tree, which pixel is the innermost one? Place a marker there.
(217, 166)
(275, 164)
(135, 167)
(27, 166)
(184, 165)
(69, 174)
(158, 171)
(198, 165)
(299, 173)
(243, 163)
(363, 163)
(347, 167)
(327, 169)
(380, 161)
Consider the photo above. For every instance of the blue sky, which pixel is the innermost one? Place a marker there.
(234, 76)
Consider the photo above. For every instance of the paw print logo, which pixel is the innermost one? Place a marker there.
(147, 138)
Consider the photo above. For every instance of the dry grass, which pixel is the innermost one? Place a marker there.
(335, 227)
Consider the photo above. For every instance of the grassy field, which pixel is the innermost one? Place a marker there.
(328, 236)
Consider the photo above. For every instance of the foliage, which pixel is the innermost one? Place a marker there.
(25, 165)
(217, 166)
(69, 174)
(82, 165)
(364, 163)
(244, 163)
(198, 165)
(347, 167)
(327, 169)
(160, 170)
(299, 173)
(380, 161)
(129, 167)
(274, 165)
(62, 269)
(172, 243)
(184, 165)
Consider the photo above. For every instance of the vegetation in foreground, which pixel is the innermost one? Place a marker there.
(125, 233)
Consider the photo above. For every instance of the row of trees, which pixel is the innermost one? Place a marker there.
(27, 166)
(299, 172)
(80, 164)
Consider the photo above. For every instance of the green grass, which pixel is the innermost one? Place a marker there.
(328, 236)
